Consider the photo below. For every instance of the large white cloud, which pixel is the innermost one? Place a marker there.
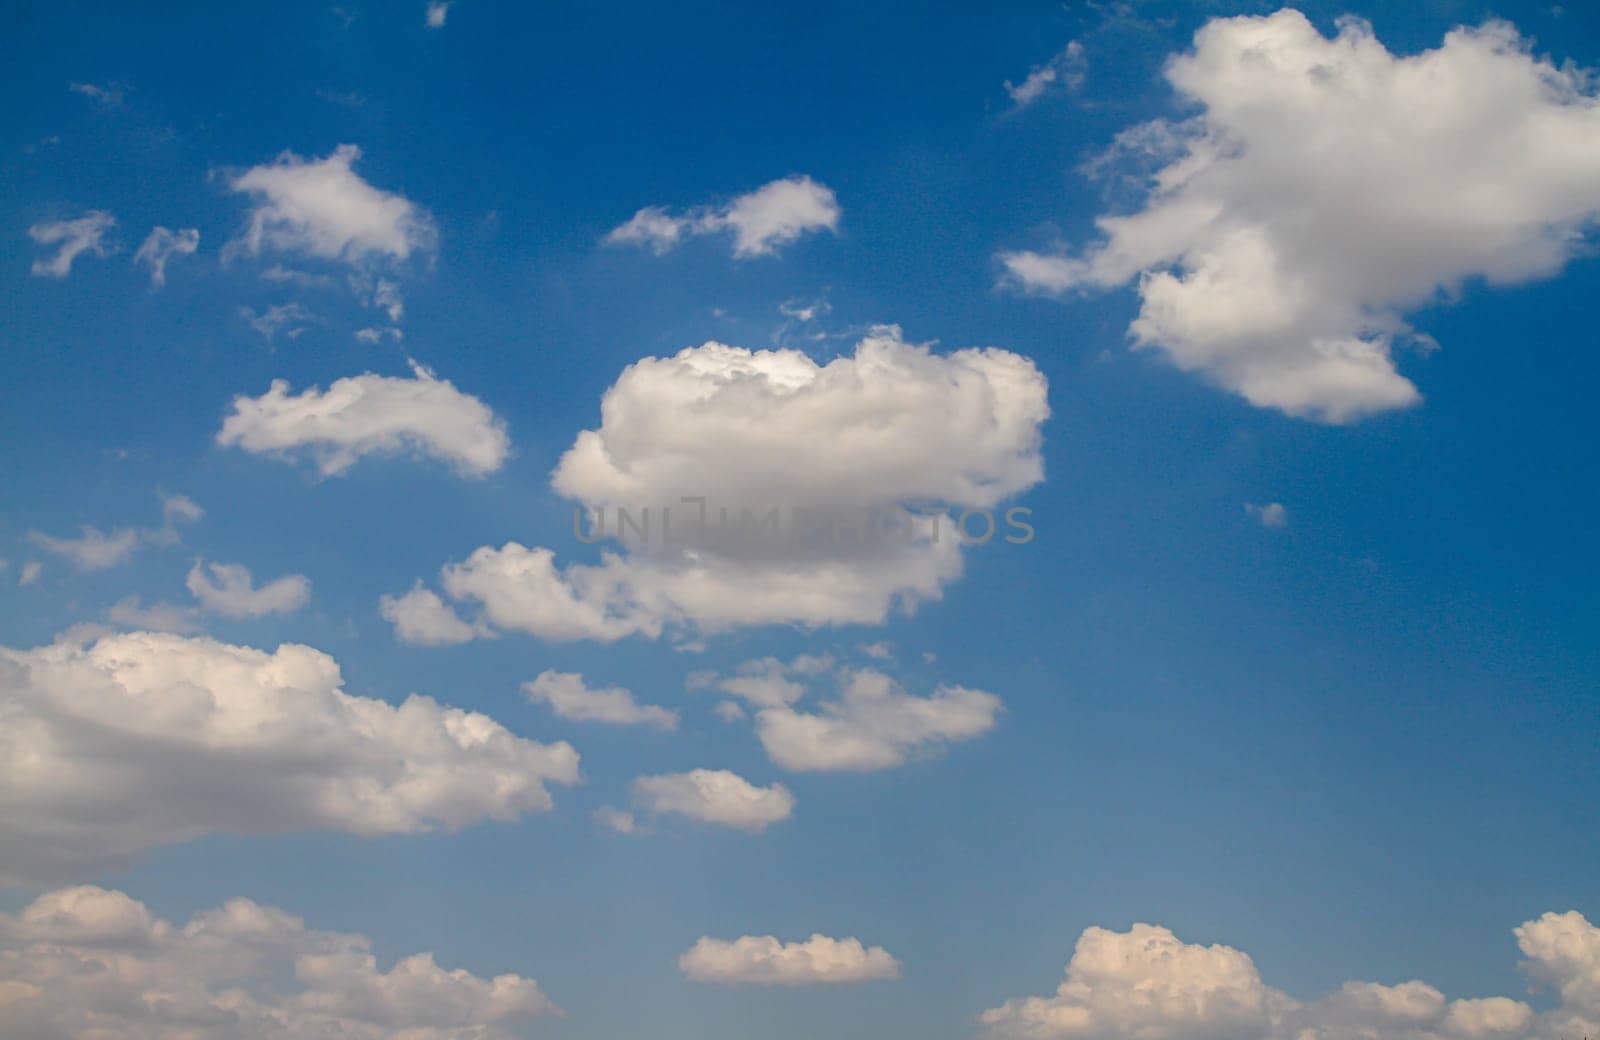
(715, 796)
(72, 239)
(94, 964)
(1148, 983)
(142, 739)
(762, 960)
(774, 214)
(370, 415)
(1326, 188)
(873, 723)
(322, 208)
(777, 490)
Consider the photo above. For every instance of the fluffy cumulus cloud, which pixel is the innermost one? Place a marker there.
(322, 208)
(761, 487)
(422, 618)
(762, 960)
(1148, 983)
(72, 239)
(760, 221)
(370, 415)
(94, 963)
(872, 723)
(161, 245)
(130, 741)
(566, 694)
(1327, 187)
(227, 589)
(714, 796)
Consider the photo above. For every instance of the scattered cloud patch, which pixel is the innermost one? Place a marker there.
(762, 960)
(111, 95)
(566, 694)
(93, 962)
(93, 549)
(1272, 514)
(370, 415)
(773, 215)
(227, 589)
(714, 796)
(1063, 72)
(72, 239)
(128, 612)
(126, 742)
(421, 618)
(1326, 188)
(288, 319)
(161, 245)
(438, 11)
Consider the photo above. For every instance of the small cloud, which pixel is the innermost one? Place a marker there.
(1273, 514)
(438, 11)
(616, 819)
(1064, 72)
(92, 550)
(228, 590)
(72, 238)
(160, 246)
(289, 319)
(111, 95)
(157, 617)
(30, 573)
(804, 313)
(773, 215)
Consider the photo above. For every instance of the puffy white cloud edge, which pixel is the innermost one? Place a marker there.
(763, 960)
(90, 962)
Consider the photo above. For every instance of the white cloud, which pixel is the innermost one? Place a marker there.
(761, 960)
(872, 724)
(93, 550)
(323, 208)
(228, 590)
(1147, 983)
(420, 617)
(438, 11)
(1325, 189)
(157, 617)
(617, 820)
(177, 509)
(773, 215)
(1064, 71)
(371, 414)
(91, 962)
(566, 694)
(161, 245)
(714, 796)
(72, 238)
(1272, 514)
(817, 453)
(290, 319)
(132, 741)
(111, 95)
(30, 572)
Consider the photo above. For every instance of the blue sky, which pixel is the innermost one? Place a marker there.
(1357, 744)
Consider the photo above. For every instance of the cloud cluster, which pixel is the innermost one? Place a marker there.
(566, 694)
(91, 962)
(1146, 982)
(714, 796)
(762, 960)
(773, 215)
(143, 739)
(872, 724)
(1326, 188)
(72, 239)
(370, 415)
(736, 454)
